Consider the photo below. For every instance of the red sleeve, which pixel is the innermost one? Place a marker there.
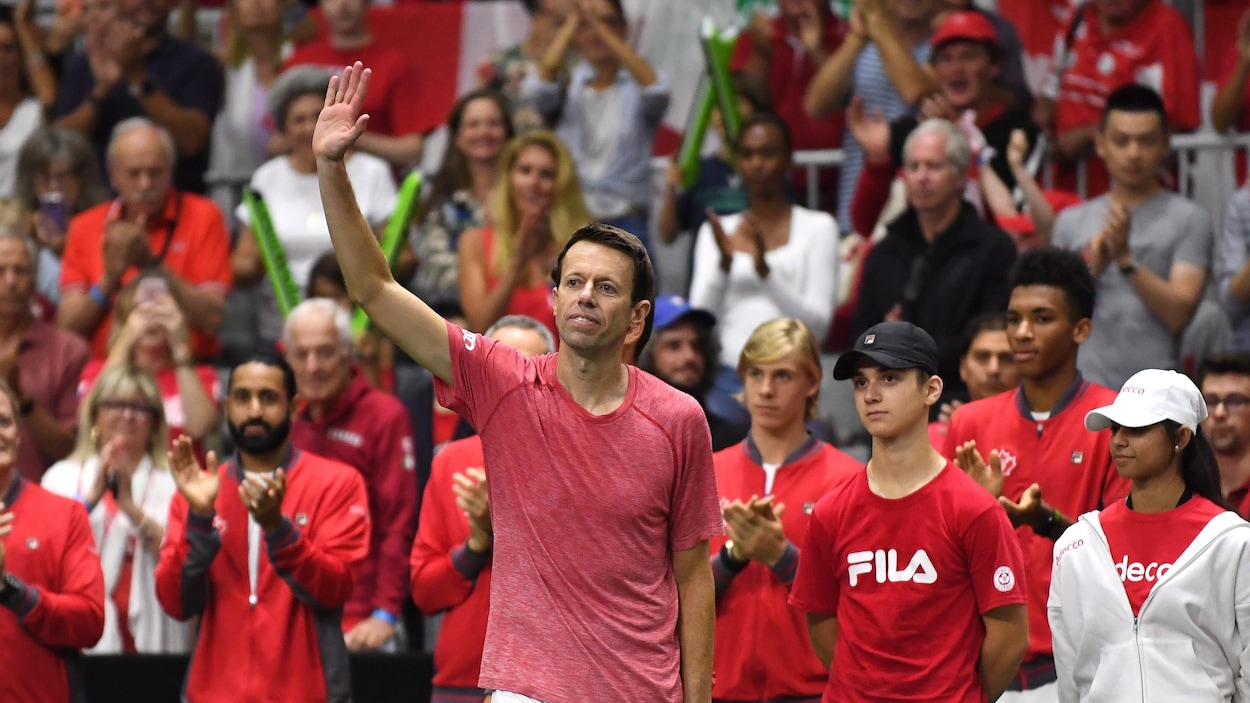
(695, 506)
(74, 616)
(872, 192)
(74, 270)
(174, 551)
(995, 562)
(210, 264)
(436, 583)
(1180, 83)
(325, 570)
(395, 484)
(483, 371)
(743, 49)
(817, 585)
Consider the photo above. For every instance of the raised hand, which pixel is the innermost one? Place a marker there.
(198, 486)
(1115, 229)
(1017, 150)
(262, 496)
(1031, 510)
(989, 475)
(722, 240)
(812, 32)
(473, 497)
(871, 131)
(341, 123)
(750, 240)
(755, 529)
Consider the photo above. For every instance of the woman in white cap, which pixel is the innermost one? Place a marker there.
(1150, 597)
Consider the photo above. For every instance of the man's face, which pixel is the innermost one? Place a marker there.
(258, 412)
(1043, 337)
(151, 15)
(594, 311)
(932, 181)
(777, 393)
(1227, 426)
(678, 355)
(344, 16)
(912, 11)
(17, 278)
(141, 172)
(587, 41)
(762, 159)
(893, 402)
(9, 439)
(322, 366)
(527, 341)
(966, 71)
(1134, 146)
(989, 367)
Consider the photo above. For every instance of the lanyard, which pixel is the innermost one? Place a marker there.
(253, 558)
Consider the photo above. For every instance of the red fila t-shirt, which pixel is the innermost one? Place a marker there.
(1145, 545)
(588, 511)
(908, 580)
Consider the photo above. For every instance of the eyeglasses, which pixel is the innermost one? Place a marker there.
(1231, 402)
(124, 406)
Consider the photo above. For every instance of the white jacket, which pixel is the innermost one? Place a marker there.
(1190, 640)
(154, 632)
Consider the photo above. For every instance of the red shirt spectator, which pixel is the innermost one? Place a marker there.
(49, 359)
(1155, 48)
(391, 103)
(188, 238)
(59, 605)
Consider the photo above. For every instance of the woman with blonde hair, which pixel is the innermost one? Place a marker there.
(120, 473)
(505, 267)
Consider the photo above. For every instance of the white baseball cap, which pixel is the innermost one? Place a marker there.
(1150, 397)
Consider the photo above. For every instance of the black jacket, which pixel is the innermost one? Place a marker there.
(963, 273)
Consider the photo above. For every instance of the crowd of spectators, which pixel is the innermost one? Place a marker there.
(132, 275)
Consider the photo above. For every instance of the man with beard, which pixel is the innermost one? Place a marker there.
(264, 549)
(683, 354)
(1225, 384)
(344, 418)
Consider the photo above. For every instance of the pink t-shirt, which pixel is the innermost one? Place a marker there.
(908, 580)
(587, 513)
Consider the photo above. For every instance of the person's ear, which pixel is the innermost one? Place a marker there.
(1080, 332)
(933, 390)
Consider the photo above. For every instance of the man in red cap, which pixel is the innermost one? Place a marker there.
(967, 58)
(1107, 44)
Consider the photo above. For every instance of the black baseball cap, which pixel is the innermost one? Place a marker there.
(894, 345)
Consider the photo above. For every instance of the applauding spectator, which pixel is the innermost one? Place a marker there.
(21, 112)
(131, 67)
(119, 471)
(57, 178)
(150, 225)
(505, 71)
(773, 260)
(1225, 384)
(40, 363)
(608, 114)
(505, 267)
(51, 587)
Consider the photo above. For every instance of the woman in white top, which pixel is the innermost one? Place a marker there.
(120, 473)
(774, 260)
(288, 184)
(21, 113)
(1150, 597)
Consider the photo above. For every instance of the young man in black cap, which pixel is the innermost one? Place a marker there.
(909, 570)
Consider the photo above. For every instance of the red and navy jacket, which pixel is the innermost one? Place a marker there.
(449, 578)
(58, 608)
(370, 431)
(286, 643)
(762, 648)
(1069, 463)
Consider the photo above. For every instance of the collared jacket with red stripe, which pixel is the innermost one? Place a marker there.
(59, 607)
(289, 645)
(762, 648)
(369, 430)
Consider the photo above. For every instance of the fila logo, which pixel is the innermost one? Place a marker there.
(885, 566)
(470, 341)
(1078, 457)
(346, 437)
(808, 508)
(301, 519)
(870, 339)
(32, 543)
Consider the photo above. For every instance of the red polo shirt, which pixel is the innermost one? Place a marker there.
(49, 362)
(191, 234)
(1156, 50)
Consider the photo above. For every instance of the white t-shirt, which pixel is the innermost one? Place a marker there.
(294, 201)
(27, 117)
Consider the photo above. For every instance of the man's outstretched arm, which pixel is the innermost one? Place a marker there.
(402, 316)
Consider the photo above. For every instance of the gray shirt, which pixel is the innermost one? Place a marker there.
(1126, 336)
(1233, 254)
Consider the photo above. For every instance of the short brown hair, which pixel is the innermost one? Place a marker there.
(629, 245)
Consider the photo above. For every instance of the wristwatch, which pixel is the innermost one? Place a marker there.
(140, 89)
(1129, 268)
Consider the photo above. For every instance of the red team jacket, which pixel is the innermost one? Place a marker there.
(1072, 466)
(762, 648)
(446, 577)
(52, 552)
(369, 430)
(289, 646)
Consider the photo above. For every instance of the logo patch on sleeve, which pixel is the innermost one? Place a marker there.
(1004, 579)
